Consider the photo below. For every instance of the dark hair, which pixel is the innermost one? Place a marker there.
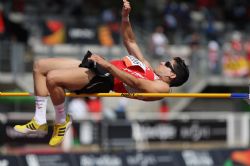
(182, 72)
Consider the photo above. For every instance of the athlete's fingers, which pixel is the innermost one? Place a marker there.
(126, 3)
(100, 60)
(126, 7)
(96, 58)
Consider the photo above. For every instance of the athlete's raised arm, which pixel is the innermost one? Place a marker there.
(128, 36)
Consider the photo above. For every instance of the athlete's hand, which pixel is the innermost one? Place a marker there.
(100, 60)
(126, 9)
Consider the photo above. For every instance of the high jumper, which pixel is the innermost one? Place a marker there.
(94, 74)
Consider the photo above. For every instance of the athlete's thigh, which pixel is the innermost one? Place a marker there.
(46, 65)
(73, 78)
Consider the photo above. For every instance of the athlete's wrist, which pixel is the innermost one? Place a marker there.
(109, 67)
(125, 18)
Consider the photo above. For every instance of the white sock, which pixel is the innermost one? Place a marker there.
(40, 113)
(60, 114)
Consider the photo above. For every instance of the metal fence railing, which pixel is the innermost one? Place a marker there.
(5, 59)
(12, 58)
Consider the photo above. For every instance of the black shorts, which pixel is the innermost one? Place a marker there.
(103, 82)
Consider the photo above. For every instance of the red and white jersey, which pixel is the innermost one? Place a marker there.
(135, 67)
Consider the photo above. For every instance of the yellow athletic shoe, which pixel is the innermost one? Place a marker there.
(59, 132)
(32, 127)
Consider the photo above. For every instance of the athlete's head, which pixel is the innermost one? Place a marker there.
(174, 72)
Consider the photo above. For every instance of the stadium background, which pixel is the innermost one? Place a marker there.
(211, 35)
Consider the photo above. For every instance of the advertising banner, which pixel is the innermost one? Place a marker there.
(188, 157)
(151, 158)
(92, 132)
(177, 130)
(82, 34)
(48, 160)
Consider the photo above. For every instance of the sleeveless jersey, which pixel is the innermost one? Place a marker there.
(135, 67)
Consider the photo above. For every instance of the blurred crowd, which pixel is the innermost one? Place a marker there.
(179, 19)
(93, 108)
(214, 30)
(209, 34)
(230, 58)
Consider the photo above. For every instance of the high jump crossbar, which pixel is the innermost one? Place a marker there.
(138, 95)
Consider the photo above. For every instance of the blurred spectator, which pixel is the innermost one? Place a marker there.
(105, 36)
(2, 25)
(198, 54)
(247, 50)
(108, 15)
(236, 42)
(209, 26)
(109, 114)
(170, 22)
(94, 106)
(235, 62)
(234, 65)
(159, 43)
(169, 18)
(213, 57)
(84, 108)
(184, 18)
(164, 109)
(171, 9)
(121, 109)
(109, 31)
(78, 109)
(239, 14)
(193, 40)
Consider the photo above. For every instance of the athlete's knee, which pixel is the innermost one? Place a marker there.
(39, 65)
(53, 78)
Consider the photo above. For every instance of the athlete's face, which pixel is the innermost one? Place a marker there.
(165, 69)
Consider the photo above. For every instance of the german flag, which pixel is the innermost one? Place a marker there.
(54, 32)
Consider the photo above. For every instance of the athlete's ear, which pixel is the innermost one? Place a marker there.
(172, 75)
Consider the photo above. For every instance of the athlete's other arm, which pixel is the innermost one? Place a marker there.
(128, 36)
(144, 86)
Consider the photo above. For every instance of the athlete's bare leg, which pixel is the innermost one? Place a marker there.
(70, 79)
(68, 72)
(43, 66)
